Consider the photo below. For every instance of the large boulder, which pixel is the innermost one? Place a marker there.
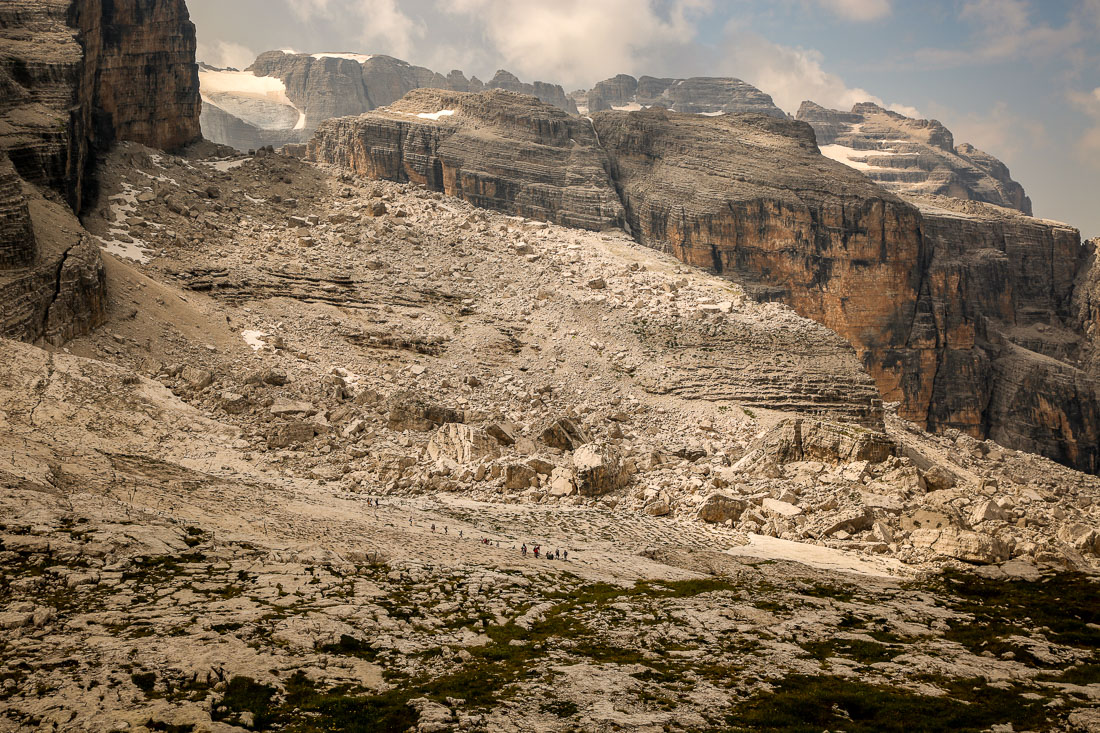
(600, 469)
(720, 508)
(961, 544)
(410, 411)
(802, 439)
(564, 434)
(455, 444)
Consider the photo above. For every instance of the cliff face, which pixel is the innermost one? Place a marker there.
(912, 156)
(79, 74)
(751, 198)
(499, 150)
(699, 95)
(75, 76)
(964, 313)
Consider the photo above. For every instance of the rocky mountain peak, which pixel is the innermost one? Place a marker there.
(910, 155)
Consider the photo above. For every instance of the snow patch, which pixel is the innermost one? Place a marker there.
(258, 100)
(825, 558)
(224, 166)
(712, 114)
(852, 157)
(118, 240)
(360, 57)
(632, 107)
(254, 339)
(436, 115)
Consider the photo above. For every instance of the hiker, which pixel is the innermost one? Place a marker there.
(524, 549)
(536, 552)
(433, 526)
(565, 556)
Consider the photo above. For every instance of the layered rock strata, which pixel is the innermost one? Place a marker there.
(699, 95)
(912, 156)
(17, 246)
(76, 76)
(498, 150)
(962, 312)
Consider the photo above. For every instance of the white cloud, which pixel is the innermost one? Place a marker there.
(381, 25)
(858, 10)
(577, 42)
(789, 75)
(224, 54)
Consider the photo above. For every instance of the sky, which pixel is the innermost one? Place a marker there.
(1019, 79)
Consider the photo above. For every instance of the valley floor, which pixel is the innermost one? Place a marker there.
(288, 487)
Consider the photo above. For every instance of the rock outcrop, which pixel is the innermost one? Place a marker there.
(498, 150)
(699, 95)
(912, 156)
(552, 94)
(17, 245)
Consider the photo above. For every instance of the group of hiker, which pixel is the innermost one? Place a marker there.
(535, 549)
(553, 555)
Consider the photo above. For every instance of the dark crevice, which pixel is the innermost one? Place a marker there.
(56, 291)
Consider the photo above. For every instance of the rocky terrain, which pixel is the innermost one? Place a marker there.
(698, 95)
(191, 537)
(282, 97)
(960, 311)
(450, 427)
(912, 156)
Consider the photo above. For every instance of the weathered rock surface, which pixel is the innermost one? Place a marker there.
(17, 245)
(698, 95)
(551, 94)
(498, 150)
(599, 469)
(796, 439)
(912, 156)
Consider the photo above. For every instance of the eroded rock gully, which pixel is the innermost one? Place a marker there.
(960, 310)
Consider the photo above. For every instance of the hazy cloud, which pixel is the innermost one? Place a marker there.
(224, 54)
(380, 25)
(1089, 142)
(1005, 30)
(578, 42)
(858, 10)
(792, 75)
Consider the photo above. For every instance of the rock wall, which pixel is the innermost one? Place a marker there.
(75, 76)
(80, 74)
(498, 150)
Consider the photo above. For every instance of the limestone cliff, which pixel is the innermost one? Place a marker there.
(912, 156)
(76, 76)
(700, 95)
(499, 150)
(241, 109)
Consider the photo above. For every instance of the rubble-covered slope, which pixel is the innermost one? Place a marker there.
(927, 290)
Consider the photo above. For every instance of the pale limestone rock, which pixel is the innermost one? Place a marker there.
(961, 544)
(719, 508)
(455, 444)
(600, 469)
